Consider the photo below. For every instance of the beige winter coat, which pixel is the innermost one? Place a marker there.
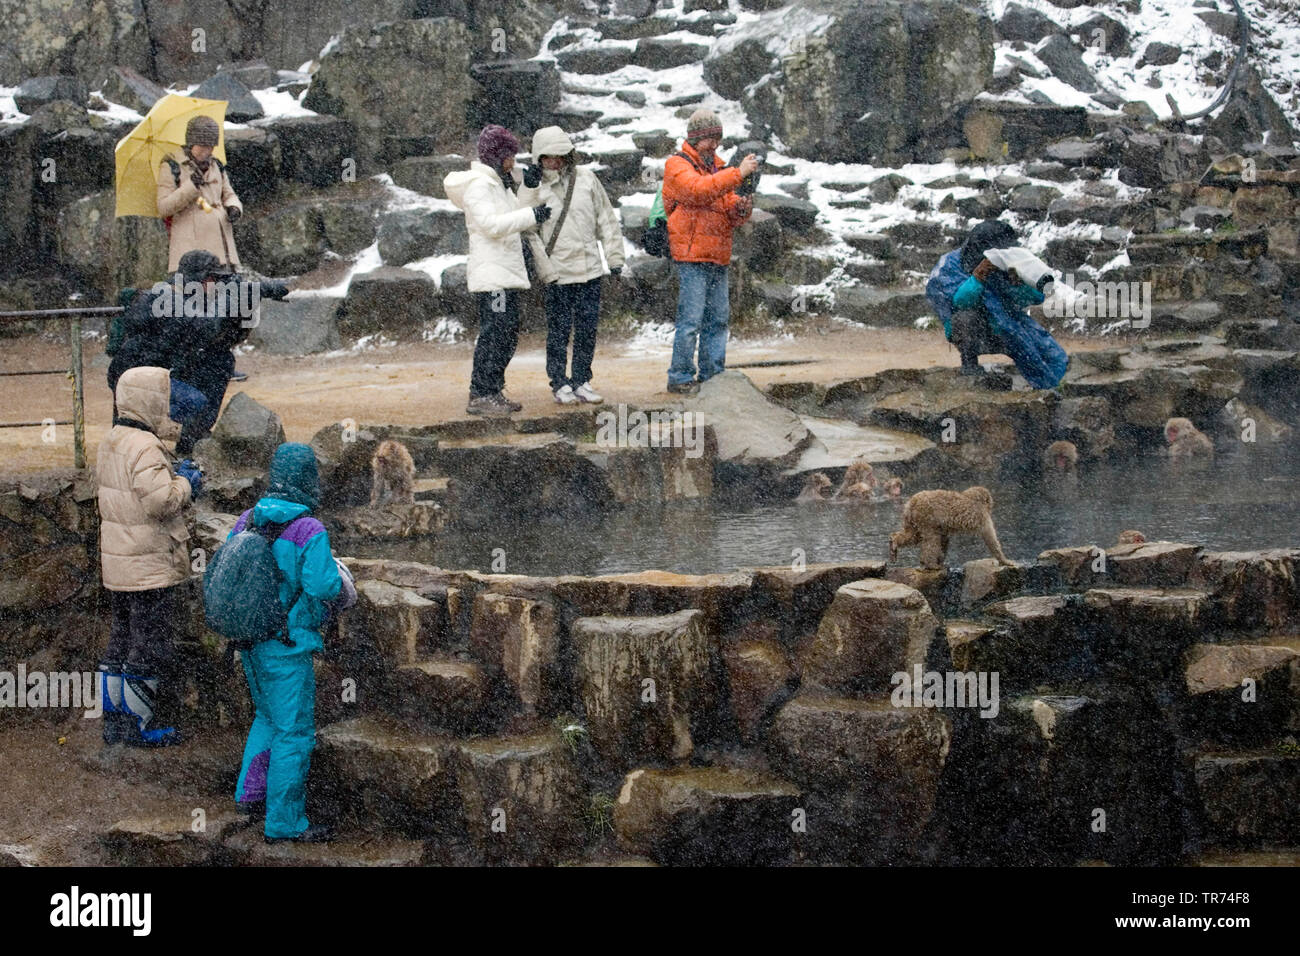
(143, 543)
(192, 227)
(591, 218)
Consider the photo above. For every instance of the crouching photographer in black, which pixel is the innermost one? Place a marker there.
(189, 324)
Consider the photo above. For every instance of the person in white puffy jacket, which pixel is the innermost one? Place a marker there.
(570, 237)
(502, 232)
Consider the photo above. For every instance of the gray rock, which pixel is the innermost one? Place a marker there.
(425, 174)
(752, 431)
(297, 326)
(1159, 54)
(1063, 59)
(796, 215)
(656, 142)
(394, 301)
(253, 159)
(851, 94)
(130, 89)
(405, 77)
(256, 74)
(517, 94)
(289, 240)
(32, 94)
(1105, 34)
(313, 148)
(1023, 23)
(1033, 200)
(1224, 24)
(241, 105)
(654, 53)
(595, 59)
(1077, 152)
(622, 165)
(348, 227)
(631, 97)
(406, 235)
(248, 432)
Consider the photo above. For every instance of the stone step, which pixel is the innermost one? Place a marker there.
(1241, 693)
(247, 847)
(1249, 798)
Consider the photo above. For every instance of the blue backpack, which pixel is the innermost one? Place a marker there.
(241, 589)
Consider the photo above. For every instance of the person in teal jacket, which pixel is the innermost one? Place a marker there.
(280, 675)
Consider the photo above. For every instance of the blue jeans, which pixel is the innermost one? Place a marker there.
(702, 313)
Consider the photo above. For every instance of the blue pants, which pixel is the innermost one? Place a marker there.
(703, 310)
(278, 753)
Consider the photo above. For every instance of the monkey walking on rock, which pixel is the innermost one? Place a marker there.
(931, 517)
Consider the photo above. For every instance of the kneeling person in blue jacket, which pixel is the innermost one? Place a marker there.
(982, 308)
(280, 675)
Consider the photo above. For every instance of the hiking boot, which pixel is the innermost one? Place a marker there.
(588, 394)
(315, 833)
(513, 405)
(685, 388)
(492, 406)
(238, 376)
(564, 395)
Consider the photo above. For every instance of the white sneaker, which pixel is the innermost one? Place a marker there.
(564, 396)
(588, 394)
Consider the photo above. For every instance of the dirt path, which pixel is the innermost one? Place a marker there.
(426, 383)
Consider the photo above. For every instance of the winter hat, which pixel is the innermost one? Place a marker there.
(551, 141)
(990, 234)
(202, 131)
(294, 475)
(197, 264)
(495, 145)
(703, 124)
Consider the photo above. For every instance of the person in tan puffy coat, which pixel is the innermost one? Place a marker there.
(200, 201)
(144, 554)
(572, 237)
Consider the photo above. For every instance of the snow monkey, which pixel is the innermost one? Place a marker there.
(893, 488)
(814, 488)
(930, 517)
(1131, 537)
(858, 473)
(394, 475)
(1061, 457)
(1186, 440)
(855, 492)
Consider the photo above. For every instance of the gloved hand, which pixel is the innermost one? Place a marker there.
(273, 288)
(190, 472)
(532, 176)
(198, 179)
(542, 213)
(233, 213)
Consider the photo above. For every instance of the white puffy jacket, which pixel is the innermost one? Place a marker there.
(495, 219)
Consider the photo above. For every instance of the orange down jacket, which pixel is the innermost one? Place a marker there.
(701, 208)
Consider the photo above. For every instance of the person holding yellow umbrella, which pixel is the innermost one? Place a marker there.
(195, 194)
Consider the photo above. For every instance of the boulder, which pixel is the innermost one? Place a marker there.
(646, 685)
(815, 93)
(248, 432)
(706, 816)
(1063, 59)
(752, 431)
(378, 776)
(398, 625)
(760, 680)
(986, 579)
(313, 148)
(1035, 639)
(595, 59)
(656, 53)
(1251, 589)
(241, 105)
(253, 158)
(297, 326)
(521, 799)
(348, 227)
(796, 215)
(881, 307)
(1023, 23)
(407, 235)
(1143, 632)
(289, 240)
(1243, 694)
(425, 174)
(1153, 563)
(517, 641)
(517, 94)
(396, 302)
(1025, 127)
(32, 94)
(869, 772)
(872, 630)
(441, 692)
(1248, 799)
(1156, 53)
(404, 77)
(128, 88)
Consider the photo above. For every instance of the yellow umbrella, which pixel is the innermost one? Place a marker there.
(159, 135)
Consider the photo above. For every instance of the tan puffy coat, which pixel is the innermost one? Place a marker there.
(192, 228)
(143, 542)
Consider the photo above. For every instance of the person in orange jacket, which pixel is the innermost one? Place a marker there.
(703, 209)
